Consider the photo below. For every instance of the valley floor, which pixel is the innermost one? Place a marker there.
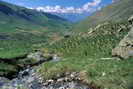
(89, 54)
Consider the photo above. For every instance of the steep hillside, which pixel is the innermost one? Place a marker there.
(15, 16)
(116, 12)
(22, 28)
(74, 17)
(21, 31)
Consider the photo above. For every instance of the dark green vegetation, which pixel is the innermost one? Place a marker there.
(116, 12)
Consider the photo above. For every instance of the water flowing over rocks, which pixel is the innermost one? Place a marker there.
(29, 78)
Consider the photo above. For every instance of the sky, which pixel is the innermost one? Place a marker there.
(62, 6)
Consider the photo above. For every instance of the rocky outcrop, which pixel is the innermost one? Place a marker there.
(125, 48)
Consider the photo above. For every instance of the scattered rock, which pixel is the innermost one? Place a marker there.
(34, 81)
(68, 81)
(30, 79)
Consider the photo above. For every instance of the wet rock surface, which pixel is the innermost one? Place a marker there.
(22, 62)
(29, 79)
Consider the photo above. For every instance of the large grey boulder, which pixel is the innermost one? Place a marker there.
(37, 56)
(125, 48)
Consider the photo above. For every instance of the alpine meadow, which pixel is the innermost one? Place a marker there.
(66, 47)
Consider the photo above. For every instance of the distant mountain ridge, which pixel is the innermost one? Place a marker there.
(118, 11)
(73, 17)
(23, 29)
(15, 15)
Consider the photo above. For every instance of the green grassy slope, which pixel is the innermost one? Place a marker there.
(21, 28)
(15, 15)
(89, 49)
(118, 11)
(90, 52)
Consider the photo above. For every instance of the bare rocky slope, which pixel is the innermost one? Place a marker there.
(125, 48)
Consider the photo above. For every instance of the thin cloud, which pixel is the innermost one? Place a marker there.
(88, 7)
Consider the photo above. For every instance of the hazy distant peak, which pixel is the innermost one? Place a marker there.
(115, 0)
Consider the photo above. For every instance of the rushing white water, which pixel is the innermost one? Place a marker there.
(29, 79)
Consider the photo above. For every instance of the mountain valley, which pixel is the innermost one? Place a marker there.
(95, 53)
